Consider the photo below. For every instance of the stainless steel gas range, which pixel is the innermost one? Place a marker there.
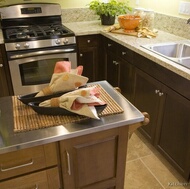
(35, 40)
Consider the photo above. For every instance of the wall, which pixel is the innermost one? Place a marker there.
(168, 7)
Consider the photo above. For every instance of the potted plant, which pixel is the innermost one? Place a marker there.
(108, 10)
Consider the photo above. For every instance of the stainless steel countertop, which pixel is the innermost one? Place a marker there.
(11, 141)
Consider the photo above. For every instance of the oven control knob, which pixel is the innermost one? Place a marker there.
(17, 46)
(57, 41)
(65, 41)
(26, 45)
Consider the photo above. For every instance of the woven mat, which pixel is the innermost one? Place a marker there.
(26, 119)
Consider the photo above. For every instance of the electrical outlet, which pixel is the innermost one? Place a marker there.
(184, 8)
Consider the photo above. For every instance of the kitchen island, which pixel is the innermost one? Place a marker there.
(86, 154)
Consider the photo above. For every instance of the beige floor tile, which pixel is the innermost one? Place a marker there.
(131, 151)
(164, 172)
(139, 177)
(147, 169)
(137, 147)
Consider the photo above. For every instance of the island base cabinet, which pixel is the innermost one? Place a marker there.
(95, 161)
(47, 179)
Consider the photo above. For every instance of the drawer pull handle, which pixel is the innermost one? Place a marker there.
(68, 163)
(124, 53)
(16, 167)
(36, 186)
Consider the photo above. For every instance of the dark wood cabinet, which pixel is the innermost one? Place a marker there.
(5, 81)
(173, 134)
(89, 51)
(119, 70)
(95, 160)
(112, 69)
(168, 129)
(146, 98)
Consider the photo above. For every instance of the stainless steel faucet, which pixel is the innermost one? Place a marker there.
(188, 21)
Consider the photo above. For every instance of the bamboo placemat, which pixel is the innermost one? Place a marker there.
(26, 119)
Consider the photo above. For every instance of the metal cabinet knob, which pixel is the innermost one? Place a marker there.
(115, 62)
(1, 65)
(81, 55)
(123, 53)
(157, 91)
(109, 45)
(88, 41)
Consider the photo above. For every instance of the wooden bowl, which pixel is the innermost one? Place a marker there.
(129, 22)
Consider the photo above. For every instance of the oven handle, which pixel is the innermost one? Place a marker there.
(42, 53)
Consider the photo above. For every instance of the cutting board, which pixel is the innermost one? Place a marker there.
(121, 31)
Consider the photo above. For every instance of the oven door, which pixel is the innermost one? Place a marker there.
(31, 74)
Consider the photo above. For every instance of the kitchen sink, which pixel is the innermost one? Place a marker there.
(185, 62)
(178, 52)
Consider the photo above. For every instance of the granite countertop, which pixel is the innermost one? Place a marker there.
(133, 43)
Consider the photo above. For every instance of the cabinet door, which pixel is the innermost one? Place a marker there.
(95, 161)
(4, 85)
(173, 138)
(147, 99)
(126, 79)
(112, 69)
(88, 55)
(4, 91)
(87, 58)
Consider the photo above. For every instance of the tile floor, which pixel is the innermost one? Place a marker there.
(147, 169)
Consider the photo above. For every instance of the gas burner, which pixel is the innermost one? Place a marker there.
(22, 35)
(36, 31)
(33, 22)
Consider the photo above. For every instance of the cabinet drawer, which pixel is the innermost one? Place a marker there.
(110, 45)
(48, 179)
(87, 41)
(27, 160)
(125, 53)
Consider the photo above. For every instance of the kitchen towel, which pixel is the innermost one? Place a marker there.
(64, 79)
(80, 101)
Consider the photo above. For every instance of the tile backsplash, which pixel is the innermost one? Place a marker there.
(170, 24)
